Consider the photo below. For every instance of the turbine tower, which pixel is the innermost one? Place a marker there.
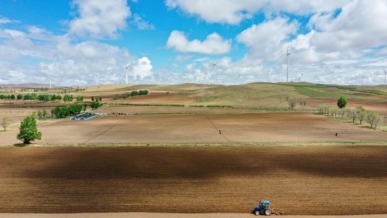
(385, 76)
(127, 73)
(287, 70)
(96, 79)
(49, 77)
(214, 64)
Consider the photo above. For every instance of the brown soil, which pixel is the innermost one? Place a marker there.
(165, 215)
(160, 98)
(378, 106)
(264, 127)
(328, 180)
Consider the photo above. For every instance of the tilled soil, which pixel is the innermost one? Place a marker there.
(316, 180)
(260, 127)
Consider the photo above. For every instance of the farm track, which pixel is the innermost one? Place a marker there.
(300, 179)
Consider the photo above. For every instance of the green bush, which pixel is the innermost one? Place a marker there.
(342, 102)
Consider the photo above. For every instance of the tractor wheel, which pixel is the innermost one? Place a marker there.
(267, 212)
(256, 213)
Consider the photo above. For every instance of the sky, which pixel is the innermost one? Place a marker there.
(193, 41)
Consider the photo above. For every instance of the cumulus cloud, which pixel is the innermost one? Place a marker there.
(88, 50)
(99, 18)
(267, 38)
(214, 44)
(367, 27)
(141, 68)
(234, 11)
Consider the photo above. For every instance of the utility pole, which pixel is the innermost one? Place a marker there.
(287, 70)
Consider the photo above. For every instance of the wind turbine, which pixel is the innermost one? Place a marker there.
(385, 76)
(214, 64)
(96, 79)
(49, 77)
(127, 73)
(287, 70)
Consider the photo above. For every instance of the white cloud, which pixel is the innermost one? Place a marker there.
(99, 18)
(267, 38)
(183, 58)
(4, 20)
(88, 50)
(36, 30)
(234, 11)
(141, 68)
(214, 44)
(141, 23)
(201, 59)
(13, 33)
(361, 24)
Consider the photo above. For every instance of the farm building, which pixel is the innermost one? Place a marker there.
(84, 116)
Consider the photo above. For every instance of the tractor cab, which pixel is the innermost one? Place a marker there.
(263, 208)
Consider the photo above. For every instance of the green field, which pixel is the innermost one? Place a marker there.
(309, 91)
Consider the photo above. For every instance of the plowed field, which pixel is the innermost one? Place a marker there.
(300, 179)
(263, 127)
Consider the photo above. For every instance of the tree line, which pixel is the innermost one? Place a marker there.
(131, 94)
(42, 97)
(355, 114)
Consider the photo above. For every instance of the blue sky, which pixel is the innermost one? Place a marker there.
(178, 41)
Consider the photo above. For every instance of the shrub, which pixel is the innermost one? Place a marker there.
(5, 123)
(342, 102)
(292, 103)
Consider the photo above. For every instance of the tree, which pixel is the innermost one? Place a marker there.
(324, 108)
(19, 96)
(361, 116)
(354, 114)
(5, 123)
(373, 118)
(342, 102)
(29, 130)
(79, 98)
(84, 108)
(361, 108)
(92, 98)
(40, 115)
(292, 103)
(44, 113)
(13, 97)
(100, 98)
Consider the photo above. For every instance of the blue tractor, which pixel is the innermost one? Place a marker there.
(263, 208)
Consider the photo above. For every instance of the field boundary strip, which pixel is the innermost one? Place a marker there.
(114, 125)
(217, 128)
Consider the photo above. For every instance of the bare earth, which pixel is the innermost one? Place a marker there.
(372, 105)
(303, 180)
(165, 215)
(260, 127)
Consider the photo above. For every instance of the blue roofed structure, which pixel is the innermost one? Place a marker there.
(86, 116)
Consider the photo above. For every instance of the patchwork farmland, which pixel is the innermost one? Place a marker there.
(197, 149)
